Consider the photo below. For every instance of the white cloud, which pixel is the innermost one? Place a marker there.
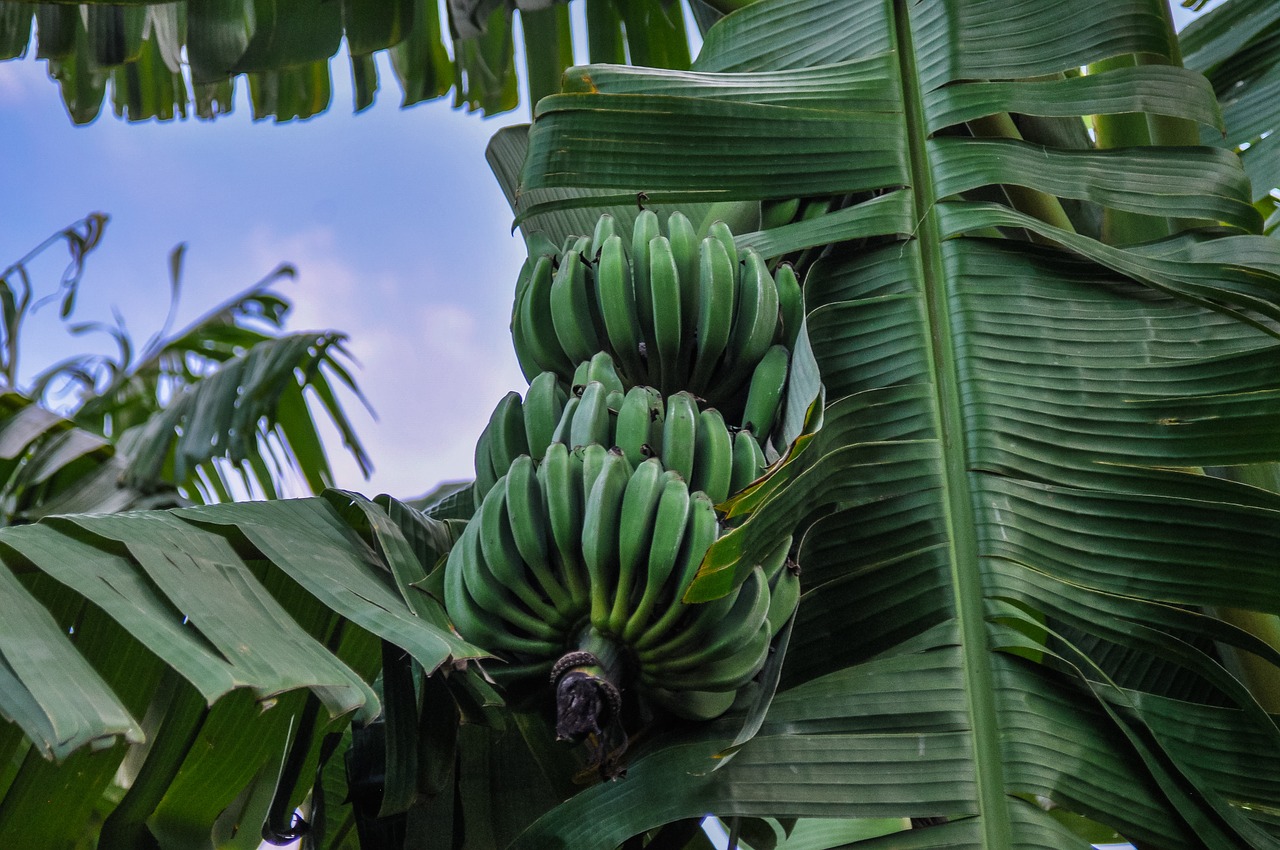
(20, 80)
(432, 367)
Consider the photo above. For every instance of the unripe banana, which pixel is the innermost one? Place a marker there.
(764, 395)
(643, 232)
(664, 291)
(701, 530)
(489, 594)
(561, 434)
(600, 524)
(591, 418)
(509, 441)
(620, 311)
(536, 323)
(560, 475)
(790, 303)
(606, 227)
(717, 297)
(505, 563)
(571, 312)
(635, 537)
(713, 456)
(502, 440)
(664, 551)
(530, 525)
(748, 461)
(601, 368)
(593, 457)
(634, 424)
(754, 327)
(684, 248)
(725, 674)
(542, 407)
(777, 213)
(784, 596)
(697, 623)
(721, 232)
(693, 705)
(473, 622)
(722, 637)
(680, 434)
(485, 473)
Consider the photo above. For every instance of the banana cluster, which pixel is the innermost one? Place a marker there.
(585, 548)
(674, 312)
(696, 442)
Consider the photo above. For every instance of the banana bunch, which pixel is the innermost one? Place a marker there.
(695, 442)
(584, 550)
(674, 312)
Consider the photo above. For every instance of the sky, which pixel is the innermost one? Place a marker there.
(400, 234)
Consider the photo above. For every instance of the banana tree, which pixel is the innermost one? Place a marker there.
(1031, 421)
(166, 59)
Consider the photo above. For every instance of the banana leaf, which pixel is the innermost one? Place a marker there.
(1004, 512)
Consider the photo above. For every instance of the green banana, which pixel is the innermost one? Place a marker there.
(724, 636)
(696, 623)
(485, 474)
(790, 303)
(664, 549)
(634, 426)
(561, 432)
(529, 524)
(579, 379)
(643, 232)
(664, 291)
(717, 297)
(748, 461)
(593, 457)
(489, 595)
(509, 441)
(620, 311)
(600, 368)
(536, 323)
(542, 407)
(571, 313)
(591, 418)
(528, 366)
(721, 233)
(702, 529)
(474, 623)
(636, 528)
(680, 434)
(505, 563)
(725, 674)
(693, 705)
(560, 475)
(713, 456)
(600, 523)
(764, 395)
(606, 227)
(754, 326)
(684, 248)
(784, 596)
(777, 213)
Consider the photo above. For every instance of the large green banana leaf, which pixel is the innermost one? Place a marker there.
(1009, 521)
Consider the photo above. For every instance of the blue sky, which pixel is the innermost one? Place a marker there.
(392, 217)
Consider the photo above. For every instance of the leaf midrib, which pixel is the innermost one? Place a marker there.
(958, 511)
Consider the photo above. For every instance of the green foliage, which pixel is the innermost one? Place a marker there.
(1025, 348)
